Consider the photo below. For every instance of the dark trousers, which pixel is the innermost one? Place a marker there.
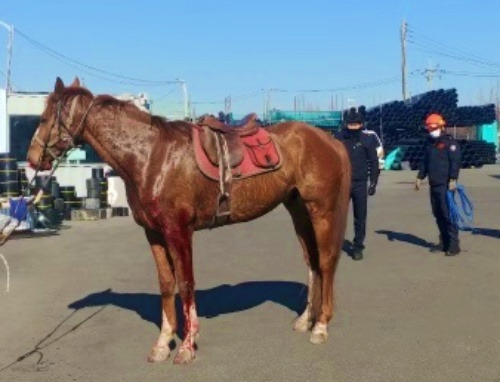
(447, 230)
(359, 196)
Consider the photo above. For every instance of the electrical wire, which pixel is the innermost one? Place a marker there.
(429, 45)
(91, 70)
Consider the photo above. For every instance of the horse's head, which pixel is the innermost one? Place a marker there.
(61, 124)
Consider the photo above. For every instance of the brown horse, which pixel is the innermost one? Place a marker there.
(171, 198)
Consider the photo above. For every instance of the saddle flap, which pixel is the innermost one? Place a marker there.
(209, 144)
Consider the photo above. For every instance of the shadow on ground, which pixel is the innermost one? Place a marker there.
(487, 232)
(405, 238)
(224, 299)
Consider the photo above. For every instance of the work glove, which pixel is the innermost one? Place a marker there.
(372, 189)
(418, 183)
(452, 185)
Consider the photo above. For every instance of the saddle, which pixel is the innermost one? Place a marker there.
(232, 152)
(232, 135)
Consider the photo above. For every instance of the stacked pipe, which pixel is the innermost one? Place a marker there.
(400, 124)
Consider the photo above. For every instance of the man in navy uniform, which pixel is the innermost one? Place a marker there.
(441, 165)
(362, 149)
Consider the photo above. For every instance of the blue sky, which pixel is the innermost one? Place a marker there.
(237, 48)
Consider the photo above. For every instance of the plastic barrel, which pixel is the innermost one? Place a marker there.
(44, 181)
(9, 179)
(23, 179)
(55, 189)
(93, 188)
(46, 202)
(68, 195)
(104, 192)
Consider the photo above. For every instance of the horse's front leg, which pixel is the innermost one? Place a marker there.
(179, 240)
(161, 349)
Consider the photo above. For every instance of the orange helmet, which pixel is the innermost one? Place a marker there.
(434, 121)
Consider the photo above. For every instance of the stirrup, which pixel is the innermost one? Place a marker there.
(223, 210)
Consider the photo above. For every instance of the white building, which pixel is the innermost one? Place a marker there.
(19, 117)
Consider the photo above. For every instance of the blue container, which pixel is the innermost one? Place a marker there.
(18, 208)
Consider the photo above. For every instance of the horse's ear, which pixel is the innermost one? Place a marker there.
(59, 87)
(76, 83)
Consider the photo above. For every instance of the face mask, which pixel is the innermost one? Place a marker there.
(435, 133)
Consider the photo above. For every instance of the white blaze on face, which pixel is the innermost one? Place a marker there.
(37, 131)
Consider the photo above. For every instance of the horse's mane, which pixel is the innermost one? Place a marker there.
(129, 108)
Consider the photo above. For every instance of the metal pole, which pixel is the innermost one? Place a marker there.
(403, 58)
(185, 97)
(10, 30)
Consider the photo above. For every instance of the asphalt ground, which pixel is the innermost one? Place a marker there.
(84, 305)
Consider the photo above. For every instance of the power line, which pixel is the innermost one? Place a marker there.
(89, 69)
(429, 45)
(469, 74)
(13, 83)
(363, 85)
(452, 48)
(425, 49)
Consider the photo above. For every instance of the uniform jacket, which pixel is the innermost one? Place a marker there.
(362, 149)
(441, 161)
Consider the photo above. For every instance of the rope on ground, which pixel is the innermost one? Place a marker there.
(7, 286)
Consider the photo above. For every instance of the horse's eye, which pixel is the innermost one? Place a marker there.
(43, 120)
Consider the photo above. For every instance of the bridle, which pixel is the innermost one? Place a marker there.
(63, 133)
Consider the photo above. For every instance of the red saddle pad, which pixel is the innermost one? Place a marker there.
(260, 155)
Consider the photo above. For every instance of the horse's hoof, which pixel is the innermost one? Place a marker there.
(302, 325)
(184, 356)
(319, 334)
(158, 354)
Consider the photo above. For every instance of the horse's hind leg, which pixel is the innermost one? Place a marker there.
(161, 350)
(305, 234)
(328, 216)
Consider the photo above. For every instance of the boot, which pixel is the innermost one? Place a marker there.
(453, 251)
(438, 247)
(357, 254)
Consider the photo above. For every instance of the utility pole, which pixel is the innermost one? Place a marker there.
(185, 97)
(10, 30)
(403, 59)
(227, 105)
(429, 74)
(4, 122)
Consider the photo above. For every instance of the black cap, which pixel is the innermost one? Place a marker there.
(355, 116)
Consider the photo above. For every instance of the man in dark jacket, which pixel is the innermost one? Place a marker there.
(441, 165)
(362, 149)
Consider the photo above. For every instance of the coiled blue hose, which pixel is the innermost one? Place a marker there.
(461, 215)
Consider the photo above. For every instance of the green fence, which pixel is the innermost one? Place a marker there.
(330, 119)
